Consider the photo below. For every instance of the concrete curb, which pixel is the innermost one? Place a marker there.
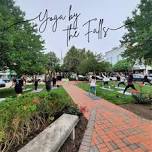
(86, 142)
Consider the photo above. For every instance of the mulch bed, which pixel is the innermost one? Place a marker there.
(69, 146)
(73, 146)
(142, 110)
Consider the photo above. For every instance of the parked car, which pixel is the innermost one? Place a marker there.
(6, 80)
(73, 77)
(2, 83)
(82, 78)
(138, 77)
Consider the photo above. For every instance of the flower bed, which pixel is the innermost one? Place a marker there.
(22, 116)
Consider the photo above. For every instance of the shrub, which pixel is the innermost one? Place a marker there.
(141, 96)
(19, 117)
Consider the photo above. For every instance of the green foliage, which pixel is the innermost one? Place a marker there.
(19, 117)
(10, 92)
(111, 96)
(139, 37)
(20, 45)
(123, 65)
(82, 61)
(143, 96)
(52, 62)
(87, 65)
(7, 92)
(73, 58)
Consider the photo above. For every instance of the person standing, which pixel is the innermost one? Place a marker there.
(54, 81)
(118, 77)
(105, 80)
(122, 80)
(36, 81)
(129, 83)
(93, 85)
(22, 81)
(48, 83)
(18, 84)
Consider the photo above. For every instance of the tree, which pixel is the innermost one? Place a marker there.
(20, 45)
(138, 40)
(104, 66)
(123, 66)
(52, 63)
(88, 65)
(82, 61)
(73, 58)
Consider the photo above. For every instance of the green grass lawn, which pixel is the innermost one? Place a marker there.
(10, 92)
(114, 96)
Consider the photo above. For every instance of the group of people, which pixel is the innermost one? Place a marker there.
(19, 83)
(122, 80)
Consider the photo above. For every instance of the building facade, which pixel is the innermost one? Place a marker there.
(115, 55)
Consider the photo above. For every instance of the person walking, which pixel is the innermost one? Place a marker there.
(129, 83)
(93, 85)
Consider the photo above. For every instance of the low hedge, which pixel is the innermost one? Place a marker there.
(6, 92)
(20, 117)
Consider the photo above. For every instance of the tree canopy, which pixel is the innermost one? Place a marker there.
(21, 48)
(138, 40)
(52, 63)
(83, 61)
(123, 66)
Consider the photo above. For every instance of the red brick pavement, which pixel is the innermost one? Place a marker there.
(115, 129)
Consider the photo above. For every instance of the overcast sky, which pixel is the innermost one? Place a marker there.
(114, 12)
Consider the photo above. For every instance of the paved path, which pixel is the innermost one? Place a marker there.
(111, 128)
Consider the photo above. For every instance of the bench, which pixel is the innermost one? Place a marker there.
(54, 136)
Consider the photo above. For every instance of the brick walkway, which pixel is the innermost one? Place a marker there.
(111, 128)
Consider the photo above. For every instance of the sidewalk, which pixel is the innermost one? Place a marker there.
(111, 128)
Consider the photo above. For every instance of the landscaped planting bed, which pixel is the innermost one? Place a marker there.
(24, 117)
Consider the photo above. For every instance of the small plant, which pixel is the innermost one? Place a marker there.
(141, 96)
